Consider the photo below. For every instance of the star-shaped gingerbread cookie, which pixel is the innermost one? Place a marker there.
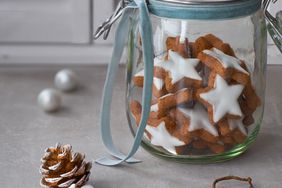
(195, 122)
(221, 99)
(158, 84)
(225, 65)
(169, 101)
(161, 137)
(178, 72)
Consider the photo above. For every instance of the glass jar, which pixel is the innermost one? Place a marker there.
(208, 85)
(207, 78)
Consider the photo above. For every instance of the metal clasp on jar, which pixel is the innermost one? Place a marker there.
(275, 24)
(105, 27)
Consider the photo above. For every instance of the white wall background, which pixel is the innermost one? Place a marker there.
(53, 31)
(60, 31)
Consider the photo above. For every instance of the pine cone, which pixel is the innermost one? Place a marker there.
(61, 168)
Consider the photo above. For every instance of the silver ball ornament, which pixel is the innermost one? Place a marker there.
(66, 80)
(49, 100)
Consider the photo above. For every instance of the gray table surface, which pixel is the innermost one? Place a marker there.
(25, 131)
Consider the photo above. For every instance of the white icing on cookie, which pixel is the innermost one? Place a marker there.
(169, 94)
(140, 73)
(223, 98)
(199, 119)
(158, 82)
(183, 33)
(155, 108)
(226, 60)
(161, 137)
(179, 67)
(237, 123)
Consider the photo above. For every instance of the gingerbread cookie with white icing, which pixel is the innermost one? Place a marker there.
(196, 122)
(248, 109)
(171, 100)
(234, 128)
(227, 140)
(158, 88)
(172, 131)
(207, 42)
(216, 148)
(178, 72)
(163, 131)
(199, 45)
(221, 99)
(160, 136)
(176, 45)
(176, 130)
(136, 108)
(226, 66)
(219, 44)
(250, 97)
(249, 100)
(199, 144)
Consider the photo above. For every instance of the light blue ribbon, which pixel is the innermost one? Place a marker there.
(120, 39)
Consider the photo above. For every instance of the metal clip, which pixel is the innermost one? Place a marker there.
(105, 27)
(274, 26)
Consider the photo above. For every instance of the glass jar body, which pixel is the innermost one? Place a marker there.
(208, 86)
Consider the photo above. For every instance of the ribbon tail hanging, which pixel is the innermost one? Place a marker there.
(121, 35)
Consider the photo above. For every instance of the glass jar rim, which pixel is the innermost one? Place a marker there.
(178, 9)
(200, 2)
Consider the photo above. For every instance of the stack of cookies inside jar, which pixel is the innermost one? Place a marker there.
(203, 97)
